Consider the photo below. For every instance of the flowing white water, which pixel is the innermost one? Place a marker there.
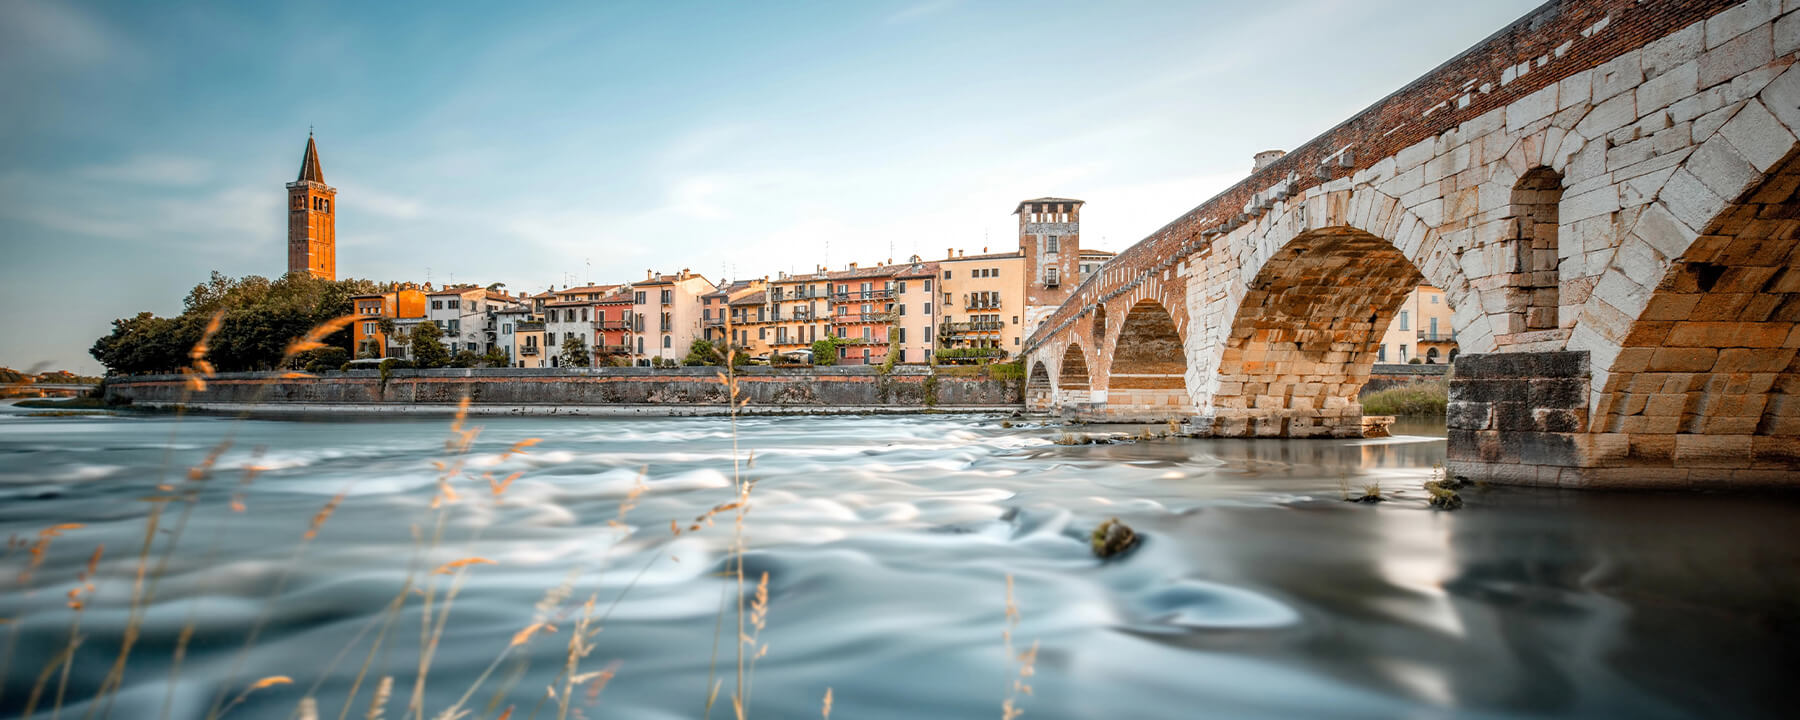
(1257, 591)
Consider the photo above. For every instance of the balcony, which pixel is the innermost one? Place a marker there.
(1428, 336)
(612, 349)
(528, 351)
(855, 295)
(965, 328)
(983, 305)
(713, 322)
(611, 325)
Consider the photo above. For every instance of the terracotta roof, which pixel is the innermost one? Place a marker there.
(309, 165)
(755, 298)
(586, 289)
(1097, 253)
(456, 291)
(989, 256)
(1051, 200)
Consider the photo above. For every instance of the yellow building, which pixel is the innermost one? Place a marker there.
(1420, 329)
(981, 304)
(368, 339)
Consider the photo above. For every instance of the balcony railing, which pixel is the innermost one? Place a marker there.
(958, 328)
(713, 322)
(611, 325)
(852, 295)
(983, 305)
(612, 349)
(1428, 336)
(528, 351)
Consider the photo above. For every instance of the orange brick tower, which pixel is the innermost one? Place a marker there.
(312, 224)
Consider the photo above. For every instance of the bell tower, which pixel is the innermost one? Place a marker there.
(312, 219)
(1050, 240)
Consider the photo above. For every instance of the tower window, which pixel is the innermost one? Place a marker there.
(1050, 244)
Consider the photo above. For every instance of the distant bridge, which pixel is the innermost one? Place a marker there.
(1605, 190)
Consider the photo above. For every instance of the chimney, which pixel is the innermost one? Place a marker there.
(684, 273)
(649, 274)
(852, 266)
(949, 253)
(960, 253)
(1267, 158)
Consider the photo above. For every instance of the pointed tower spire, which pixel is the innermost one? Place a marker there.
(309, 165)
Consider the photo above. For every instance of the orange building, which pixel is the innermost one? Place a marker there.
(401, 302)
(312, 219)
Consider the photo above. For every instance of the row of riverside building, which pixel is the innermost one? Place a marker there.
(960, 309)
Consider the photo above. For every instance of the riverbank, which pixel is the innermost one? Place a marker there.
(682, 391)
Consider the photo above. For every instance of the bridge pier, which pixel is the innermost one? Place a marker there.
(1520, 418)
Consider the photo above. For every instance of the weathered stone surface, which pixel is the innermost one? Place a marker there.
(1621, 215)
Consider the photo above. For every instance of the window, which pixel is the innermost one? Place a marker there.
(946, 274)
(550, 339)
(1052, 276)
(1434, 330)
(902, 335)
(946, 299)
(866, 333)
(761, 334)
(1403, 320)
(370, 328)
(640, 299)
(927, 308)
(455, 326)
(865, 312)
(928, 285)
(902, 286)
(928, 331)
(665, 341)
(453, 304)
(1050, 244)
(640, 346)
(668, 296)
(1402, 353)
(903, 309)
(994, 272)
(584, 314)
(1015, 319)
(1434, 299)
(437, 304)
(506, 328)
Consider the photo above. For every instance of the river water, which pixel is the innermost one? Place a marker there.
(1257, 592)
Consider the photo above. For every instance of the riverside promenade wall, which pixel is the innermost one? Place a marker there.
(582, 391)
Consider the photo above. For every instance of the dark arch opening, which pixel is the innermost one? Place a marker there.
(1535, 276)
(1099, 325)
(1709, 374)
(1074, 375)
(1040, 375)
(1307, 334)
(1148, 377)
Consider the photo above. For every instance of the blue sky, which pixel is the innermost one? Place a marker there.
(143, 145)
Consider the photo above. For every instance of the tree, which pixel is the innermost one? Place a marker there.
(496, 358)
(465, 358)
(702, 353)
(575, 351)
(370, 348)
(824, 351)
(428, 346)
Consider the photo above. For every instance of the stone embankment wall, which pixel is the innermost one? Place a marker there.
(678, 391)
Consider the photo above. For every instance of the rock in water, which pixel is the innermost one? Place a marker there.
(1112, 537)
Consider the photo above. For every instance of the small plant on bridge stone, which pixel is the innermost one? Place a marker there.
(1111, 538)
(1443, 489)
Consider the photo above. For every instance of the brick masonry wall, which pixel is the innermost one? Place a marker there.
(821, 388)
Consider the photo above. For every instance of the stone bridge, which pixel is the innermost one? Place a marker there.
(1604, 189)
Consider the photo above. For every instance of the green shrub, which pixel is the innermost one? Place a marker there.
(1419, 397)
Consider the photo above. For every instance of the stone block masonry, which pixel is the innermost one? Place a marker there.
(1616, 179)
(599, 391)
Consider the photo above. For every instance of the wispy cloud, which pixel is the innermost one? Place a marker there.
(151, 170)
(57, 32)
(920, 10)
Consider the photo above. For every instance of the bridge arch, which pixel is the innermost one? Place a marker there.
(1305, 335)
(1039, 394)
(1708, 376)
(1074, 383)
(1147, 379)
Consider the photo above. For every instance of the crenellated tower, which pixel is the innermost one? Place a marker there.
(312, 219)
(1050, 240)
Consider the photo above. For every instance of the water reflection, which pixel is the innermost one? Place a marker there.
(1257, 592)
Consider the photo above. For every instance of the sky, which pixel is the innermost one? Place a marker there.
(145, 145)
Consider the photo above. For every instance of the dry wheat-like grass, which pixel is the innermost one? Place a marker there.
(1026, 661)
(825, 712)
